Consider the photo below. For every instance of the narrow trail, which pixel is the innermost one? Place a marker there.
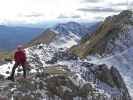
(116, 56)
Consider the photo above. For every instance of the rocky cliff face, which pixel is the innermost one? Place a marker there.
(113, 36)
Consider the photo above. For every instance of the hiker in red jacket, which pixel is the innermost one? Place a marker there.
(20, 60)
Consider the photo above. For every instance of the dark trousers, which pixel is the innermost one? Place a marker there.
(14, 68)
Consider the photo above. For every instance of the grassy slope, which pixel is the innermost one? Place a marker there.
(5, 55)
(46, 37)
(83, 49)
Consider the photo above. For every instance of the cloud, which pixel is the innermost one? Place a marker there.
(75, 16)
(123, 3)
(61, 16)
(120, 4)
(99, 9)
(99, 18)
(34, 15)
(91, 1)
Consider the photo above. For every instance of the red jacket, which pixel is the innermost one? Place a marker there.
(20, 57)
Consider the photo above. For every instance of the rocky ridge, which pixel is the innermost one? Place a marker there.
(113, 36)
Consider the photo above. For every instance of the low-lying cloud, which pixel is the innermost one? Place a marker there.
(99, 9)
(61, 16)
(34, 15)
(91, 1)
(64, 17)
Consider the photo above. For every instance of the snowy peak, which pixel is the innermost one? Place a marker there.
(71, 27)
(63, 35)
(114, 35)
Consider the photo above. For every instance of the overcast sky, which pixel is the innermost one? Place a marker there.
(39, 10)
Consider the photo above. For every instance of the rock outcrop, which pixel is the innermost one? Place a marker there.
(62, 82)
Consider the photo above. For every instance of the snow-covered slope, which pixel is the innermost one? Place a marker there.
(124, 62)
(72, 27)
(65, 41)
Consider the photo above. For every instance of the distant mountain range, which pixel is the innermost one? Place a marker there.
(64, 34)
(11, 36)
